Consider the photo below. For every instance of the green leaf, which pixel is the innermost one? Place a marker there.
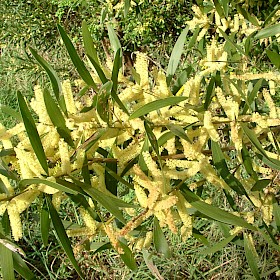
(181, 79)
(141, 161)
(178, 131)
(260, 185)
(251, 18)
(128, 257)
(213, 212)
(126, 7)
(111, 182)
(238, 48)
(196, 234)
(62, 236)
(54, 185)
(32, 132)
(117, 177)
(115, 74)
(6, 260)
(78, 63)
(100, 246)
(152, 138)
(218, 246)
(219, 8)
(268, 31)
(193, 40)
(149, 262)
(220, 164)
(115, 43)
(45, 224)
(273, 163)
(11, 112)
(270, 16)
(165, 137)
(88, 43)
(111, 203)
(160, 241)
(57, 118)
(274, 57)
(156, 105)
(251, 255)
(252, 96)
(276, 214)
(225, 4)
(22, 269)
(176, 55)
(56, 85)
(209, 93)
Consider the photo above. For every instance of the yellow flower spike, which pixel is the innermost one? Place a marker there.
(139, 244)
(47, 189)
(165, 203)
(267, 208)
(152, 166)
(68, 96)
(15, 221)
(170, 220)
(7, 184)
(182, 207)
(24, 199)
(210, 127)
(38, 105)
(113, 237)
(148, 239)
(270, 103)
(3, 205)
(57, 199)
(271, 87)
(141, 67)
(65, 157)
(90, 223)
(161, 89)
(141, 196)
(236, 135)
(230, 107)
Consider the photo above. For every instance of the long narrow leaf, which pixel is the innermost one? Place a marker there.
(238, 48)
(218, 246)
(78, 63)
(11, 112)
(22, 269)
(156, 105)
(6, 262)
(32, 132)
(74, 190)
(160, 242)
(220, 164)
(45, 224)
(214, 212)
(114, 40)
(115, 74)
(128, 257)
(88, 43)
(56, 85)
(176, 55)
(268, 31)
(57, 118)
(251, 255)
(254, 140)
(62, 236)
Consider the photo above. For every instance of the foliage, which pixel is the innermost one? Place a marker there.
(138, 152)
